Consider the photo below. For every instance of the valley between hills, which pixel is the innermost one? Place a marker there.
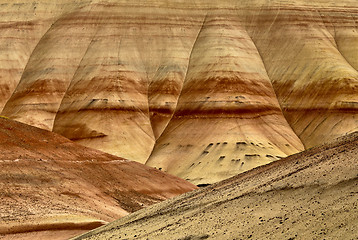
(117, 111)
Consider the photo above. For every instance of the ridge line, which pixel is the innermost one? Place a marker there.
(181, 90)
(28, 60)
(273, 89)
(335, 41)
(74, 74)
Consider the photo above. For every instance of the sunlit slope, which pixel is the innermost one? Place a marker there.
(51, 186)
(203, 90)
(308, 195)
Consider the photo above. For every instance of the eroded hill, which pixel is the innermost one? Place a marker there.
(52, 188)
(200, 89)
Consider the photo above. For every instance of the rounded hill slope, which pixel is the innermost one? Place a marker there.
(310, 195)
(52, 188)
(200, 89)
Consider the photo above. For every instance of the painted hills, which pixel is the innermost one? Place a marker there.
(200, 89)
(52, 188)
(309, 195)
(203, 90)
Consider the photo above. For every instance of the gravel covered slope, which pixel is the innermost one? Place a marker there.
(310, 195)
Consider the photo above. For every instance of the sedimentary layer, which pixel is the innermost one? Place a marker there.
(227, 119)
(310, 55)
(203, 90)
(22, 26)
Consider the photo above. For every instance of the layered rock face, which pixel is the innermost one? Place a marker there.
(22, 26)
(227, 118)
(203, 90)
(311, 59)
(52, 188)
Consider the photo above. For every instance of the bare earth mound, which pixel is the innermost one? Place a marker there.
(310, 195)
(52, 188)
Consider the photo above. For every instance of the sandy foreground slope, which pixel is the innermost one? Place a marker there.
(52, 188)
(310, 195)
(202, 89)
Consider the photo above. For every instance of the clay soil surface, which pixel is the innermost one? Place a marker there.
(52, 188)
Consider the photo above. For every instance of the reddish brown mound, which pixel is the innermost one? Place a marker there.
(310, 195)
(49, 183)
